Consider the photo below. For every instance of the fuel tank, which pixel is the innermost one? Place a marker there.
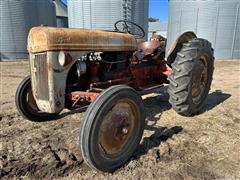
(42, 39)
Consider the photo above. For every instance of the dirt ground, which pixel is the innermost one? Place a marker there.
(206, 146)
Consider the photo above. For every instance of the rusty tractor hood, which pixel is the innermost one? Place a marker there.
(41, 39)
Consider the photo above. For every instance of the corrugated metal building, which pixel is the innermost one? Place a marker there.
(96, 14)
(61, 13)
(16, 19)
(159, 28)
(215, 20)
(140, 10)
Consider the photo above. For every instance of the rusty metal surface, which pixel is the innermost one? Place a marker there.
(118, 127)
(43, 39)
(54, 78)
(143, 74)
(40, 75)
(82, 96)
(200, 78)
(150, 47)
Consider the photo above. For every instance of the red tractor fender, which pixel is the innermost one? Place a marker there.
(177, 45)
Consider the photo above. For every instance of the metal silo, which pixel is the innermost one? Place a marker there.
(61, 13)
(217, 21)
(99, 14)
(140, 14)
(16, 19)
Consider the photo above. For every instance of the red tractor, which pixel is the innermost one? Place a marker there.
(72, 68)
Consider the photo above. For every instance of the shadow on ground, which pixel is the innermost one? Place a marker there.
(215, 98)
(160, 135)
(155, 107)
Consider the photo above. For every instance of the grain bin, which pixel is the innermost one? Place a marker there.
(61, 13)
(140, 13)
(96, 14)
(217, 21)
(16, 19)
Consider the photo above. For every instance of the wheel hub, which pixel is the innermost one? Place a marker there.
(117, 127)
(199, 80)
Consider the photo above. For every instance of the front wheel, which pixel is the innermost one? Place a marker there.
(26, 104)
(192, 76)
(112, 128)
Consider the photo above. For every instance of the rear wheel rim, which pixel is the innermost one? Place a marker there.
(200, 78)
(118, 127)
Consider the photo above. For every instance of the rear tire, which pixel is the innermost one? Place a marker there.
(26, 104)
(112, 128)
(191, 79)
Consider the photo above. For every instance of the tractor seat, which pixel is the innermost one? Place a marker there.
(149, 47)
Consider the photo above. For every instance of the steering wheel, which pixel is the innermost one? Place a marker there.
(127, 26)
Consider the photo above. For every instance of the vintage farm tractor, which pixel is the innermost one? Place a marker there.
(72, 68)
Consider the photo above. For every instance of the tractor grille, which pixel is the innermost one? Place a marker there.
(41, 76)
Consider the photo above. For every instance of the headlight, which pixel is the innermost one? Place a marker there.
(61, 58)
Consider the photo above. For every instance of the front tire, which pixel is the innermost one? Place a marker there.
(191, 79)
(112, 128)
(26, 104)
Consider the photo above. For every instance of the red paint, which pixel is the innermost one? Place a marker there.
(82, 95)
